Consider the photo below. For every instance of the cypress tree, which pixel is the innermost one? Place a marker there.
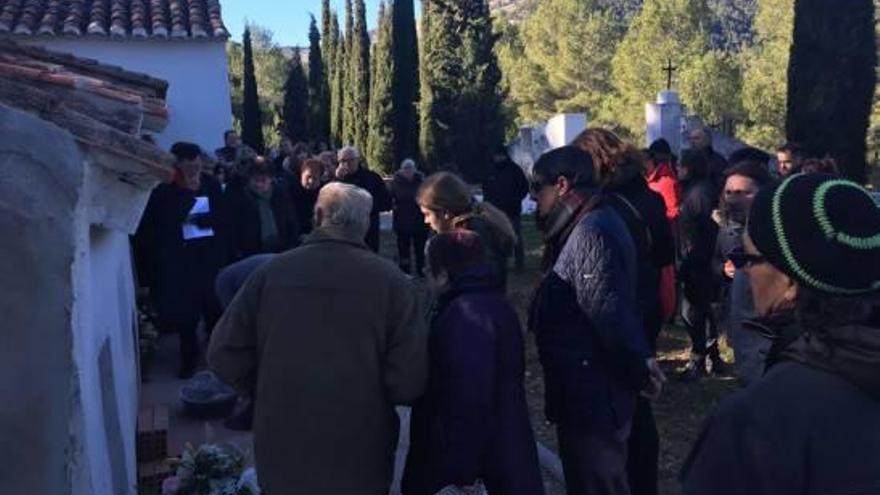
(295, 112)
(344, 64)
(336, 93)
(404, 46)
(479, 123)
(439, 73)
(252, 116)
(831, 80)
(357, 82)
(462, 119)
(327, 41)
(380, 146)
(319, 99)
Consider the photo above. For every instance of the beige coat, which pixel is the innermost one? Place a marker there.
(334, 337)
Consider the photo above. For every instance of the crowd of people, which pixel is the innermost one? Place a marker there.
(278, 256)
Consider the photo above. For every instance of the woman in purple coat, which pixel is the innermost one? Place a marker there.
(472, 425)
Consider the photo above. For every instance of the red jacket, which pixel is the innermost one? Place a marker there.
(664, 182)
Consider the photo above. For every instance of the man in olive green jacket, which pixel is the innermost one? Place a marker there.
(331, 337)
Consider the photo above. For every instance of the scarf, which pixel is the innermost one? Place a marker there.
(851, 352)
(560, 222)
(268, 227)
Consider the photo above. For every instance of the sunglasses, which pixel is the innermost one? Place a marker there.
(745, 260)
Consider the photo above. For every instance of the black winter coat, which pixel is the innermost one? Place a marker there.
(698, 234)
(505, 187)
(644, 213)
(303, 200)
(408, 216)
(372, 183)
(244, 221)
(180, 272)
(810, 426)
(473, 421)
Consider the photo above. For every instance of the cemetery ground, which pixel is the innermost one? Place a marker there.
(680, 412)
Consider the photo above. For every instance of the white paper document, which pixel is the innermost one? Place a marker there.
(190, 229)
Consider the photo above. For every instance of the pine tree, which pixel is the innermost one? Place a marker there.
(319, 99)
(357, 82)
(559, 59)
(336, 82)
(404, 46)
(380, 146)
(663, 29)
(295, 113)
(252, 116)
(831, 80)
(765, 87)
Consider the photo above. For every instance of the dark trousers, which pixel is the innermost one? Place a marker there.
(699, 320)
(519, 253)
(594, 463)
(407, 242)
(372, 238)
(185, 318)
(644, 450)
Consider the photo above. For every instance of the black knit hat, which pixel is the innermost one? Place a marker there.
(820, 230)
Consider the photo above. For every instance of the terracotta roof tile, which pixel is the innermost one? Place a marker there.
(175, 19)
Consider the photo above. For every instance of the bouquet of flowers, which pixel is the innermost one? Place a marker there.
(211, 470)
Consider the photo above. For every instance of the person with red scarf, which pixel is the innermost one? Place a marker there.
(183, 232)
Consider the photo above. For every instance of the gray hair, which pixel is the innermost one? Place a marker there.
(349, 150)
(345, 209)
(408, 163)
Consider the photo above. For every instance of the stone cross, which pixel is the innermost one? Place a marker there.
(669, 69)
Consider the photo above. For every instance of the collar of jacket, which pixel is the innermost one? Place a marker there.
(321, 236)
(562, 219)
(479, 278)
(851, 352)
(660, 171)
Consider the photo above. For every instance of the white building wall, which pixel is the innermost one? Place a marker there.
(197, 73)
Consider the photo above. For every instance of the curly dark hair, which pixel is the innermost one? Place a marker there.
(616, 162)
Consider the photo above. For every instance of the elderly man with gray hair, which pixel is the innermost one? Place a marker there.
(330, 337)
(351, 170)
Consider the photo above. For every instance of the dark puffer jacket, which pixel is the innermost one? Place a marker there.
(810, 426)
(589, 329)
(473, 422)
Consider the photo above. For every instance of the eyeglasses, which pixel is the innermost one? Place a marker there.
(745, 260)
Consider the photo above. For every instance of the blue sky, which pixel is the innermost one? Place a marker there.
(287, 19)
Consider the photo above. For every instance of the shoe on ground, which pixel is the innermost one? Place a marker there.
(718, 366)
(693, 372)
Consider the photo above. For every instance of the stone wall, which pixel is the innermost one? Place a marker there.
(68, 381)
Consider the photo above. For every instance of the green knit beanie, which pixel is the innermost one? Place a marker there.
(820, 230)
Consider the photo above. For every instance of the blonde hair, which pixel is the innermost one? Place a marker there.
(447, 194)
